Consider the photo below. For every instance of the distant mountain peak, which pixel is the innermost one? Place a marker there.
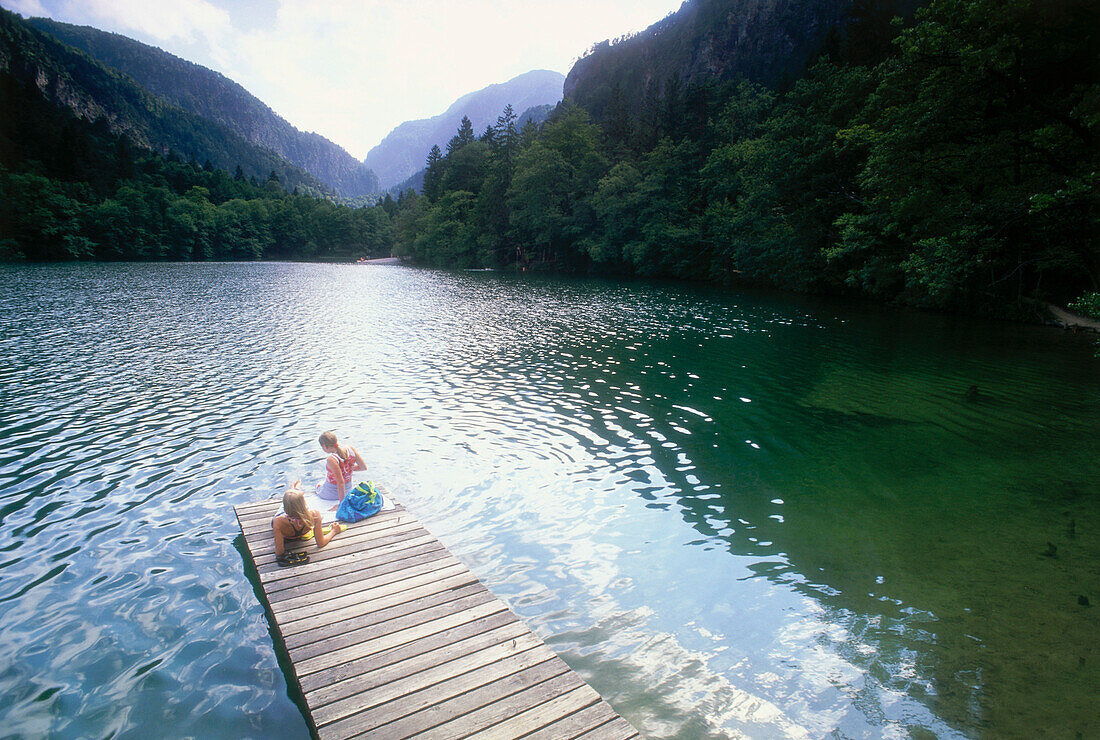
(402, 153)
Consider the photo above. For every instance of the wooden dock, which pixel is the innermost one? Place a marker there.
(390, 636)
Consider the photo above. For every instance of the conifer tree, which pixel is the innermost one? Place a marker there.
(506, 137)
(464, 136)
(433, 176)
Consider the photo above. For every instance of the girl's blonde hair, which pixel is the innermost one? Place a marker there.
(294, 506)
(328, 439)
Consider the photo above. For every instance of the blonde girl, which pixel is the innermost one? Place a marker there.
(342, 460)
(296, 520)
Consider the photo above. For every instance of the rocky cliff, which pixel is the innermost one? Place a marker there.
(761, 40)
(212, 96)
(68, 77)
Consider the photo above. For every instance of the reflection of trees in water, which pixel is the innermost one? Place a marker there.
(858, 465)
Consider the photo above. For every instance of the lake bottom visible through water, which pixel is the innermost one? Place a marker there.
(735, 514)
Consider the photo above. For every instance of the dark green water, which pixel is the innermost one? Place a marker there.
(734, 514)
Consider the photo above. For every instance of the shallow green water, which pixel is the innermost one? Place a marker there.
(734, 514)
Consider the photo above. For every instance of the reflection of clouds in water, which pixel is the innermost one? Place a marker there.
(558, 437)
(627, 638)
(556, 487)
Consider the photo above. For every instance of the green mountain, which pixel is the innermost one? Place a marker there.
(404, 150)
(69, 78)
(212, 96)
(763, 41)
(74, 184)
(948, 161)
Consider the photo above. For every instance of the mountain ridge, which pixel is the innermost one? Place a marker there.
(215, 97)
(402, 153)
(68, 77)
(761, 41)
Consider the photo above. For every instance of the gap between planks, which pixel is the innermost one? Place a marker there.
(391, 636)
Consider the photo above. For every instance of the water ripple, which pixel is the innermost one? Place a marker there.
(705, 502)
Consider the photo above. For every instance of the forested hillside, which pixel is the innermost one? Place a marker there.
(211, 96)
(74, 189)
(95, 93)
(947, 161)
(536, 115)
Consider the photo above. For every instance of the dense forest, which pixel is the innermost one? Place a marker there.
(70, 189)
(948, 161)
(945, 161)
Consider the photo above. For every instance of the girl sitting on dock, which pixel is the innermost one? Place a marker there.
(295, 522)
(342, 460)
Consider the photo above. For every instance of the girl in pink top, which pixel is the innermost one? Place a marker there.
(342, 460)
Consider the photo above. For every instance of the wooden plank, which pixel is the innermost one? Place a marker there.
(494, 629)
(412, 628)
(541, 714)
(321, 588)
(332, 686)
(348, 605)
(447, 699)
(458, 580)
(386, 559)
(404, 616)
(616, 729)
(481, 707)
(350, 546)
(348, 716)
(390, 636)
(420, 623)
(403, 602)
(596, 720)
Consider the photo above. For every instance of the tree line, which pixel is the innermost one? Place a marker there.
(70, 189)
(947, 162)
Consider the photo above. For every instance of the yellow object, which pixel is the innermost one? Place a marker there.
(309, 535)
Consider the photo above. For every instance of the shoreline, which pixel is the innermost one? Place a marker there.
(1069, 320)
(380, 261)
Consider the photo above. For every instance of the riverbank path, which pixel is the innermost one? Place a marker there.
(390, 636)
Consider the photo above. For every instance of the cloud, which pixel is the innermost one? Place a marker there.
(352, 70)
(27, 8)
(355, 70)
(182, 20)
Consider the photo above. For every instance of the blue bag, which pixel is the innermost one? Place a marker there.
(359, 503)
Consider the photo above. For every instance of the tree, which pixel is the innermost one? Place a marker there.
(777, 188)
(552, 180)
(433, 175)
(464, 136)
(617, 121)
(506, 139)
(981, 158)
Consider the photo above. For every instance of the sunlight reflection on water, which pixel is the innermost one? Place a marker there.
(711, 506)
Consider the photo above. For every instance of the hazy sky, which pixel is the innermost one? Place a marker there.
(352, 70)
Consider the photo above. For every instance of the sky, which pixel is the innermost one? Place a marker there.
(352, 70)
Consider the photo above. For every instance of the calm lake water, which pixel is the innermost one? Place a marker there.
(734, 514)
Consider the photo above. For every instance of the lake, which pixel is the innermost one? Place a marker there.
(733, 513)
